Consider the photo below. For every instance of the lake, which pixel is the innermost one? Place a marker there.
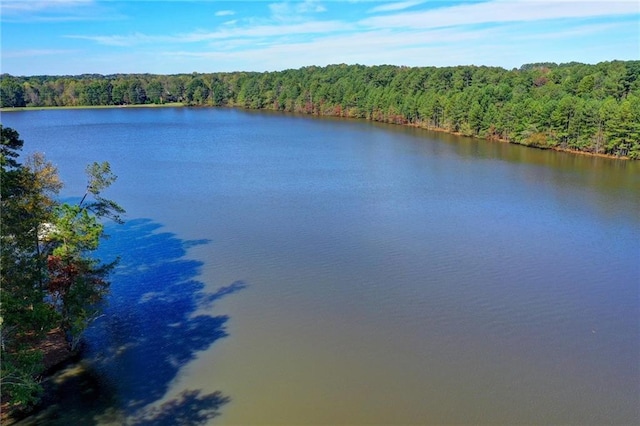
(282, 269)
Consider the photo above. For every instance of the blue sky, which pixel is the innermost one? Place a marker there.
(60, 37)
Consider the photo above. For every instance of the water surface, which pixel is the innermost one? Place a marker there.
(323, 271)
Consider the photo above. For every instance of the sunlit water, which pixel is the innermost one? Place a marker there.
(318, 271)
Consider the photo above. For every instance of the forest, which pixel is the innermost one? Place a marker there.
(576, 107)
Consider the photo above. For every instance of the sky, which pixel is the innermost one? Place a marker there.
(71, 37)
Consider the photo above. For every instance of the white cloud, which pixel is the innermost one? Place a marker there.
(258, 31)
(28, 53)
(506, 45)
(313, 27)
(578, 31)
(392, 7)
(225, 13)
(122, 40)
(39, 5)
(437, 47)
(446, 35)
(368, 47)
(56, 11)
(295, 11)
(497, 11)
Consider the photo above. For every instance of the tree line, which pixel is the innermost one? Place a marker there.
(49, 277)
(573, 106)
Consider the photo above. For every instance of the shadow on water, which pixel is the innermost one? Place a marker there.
(156, 320)
(189, 408)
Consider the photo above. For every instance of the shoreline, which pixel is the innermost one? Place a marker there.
(499, 140)
(414, 125)
(56, 355)
(43, 108)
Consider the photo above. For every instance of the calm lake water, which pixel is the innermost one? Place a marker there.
(280, 269)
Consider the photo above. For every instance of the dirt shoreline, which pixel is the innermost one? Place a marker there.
(56, 355)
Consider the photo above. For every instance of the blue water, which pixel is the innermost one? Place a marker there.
(333, 271)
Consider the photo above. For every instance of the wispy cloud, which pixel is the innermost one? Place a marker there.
(19, 11)
(15, 6)
(295, 11)
(31, 53)
(579, 31)
(258, 31)
(290, 34)
(395, 6)
(440, 46)
(363, 47)
(502, 11)
(122, 40)
(407, 27)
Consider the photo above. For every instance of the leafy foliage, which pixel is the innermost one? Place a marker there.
(574, 106)
(48, 278)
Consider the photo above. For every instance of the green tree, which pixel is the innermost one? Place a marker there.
(11, 92)
(48, 275)
(24, 314)
(623, 127)
(77, 280)
(97, 92)
(155, 92)
(136, 92)
(175, 89)
(197, 91)
(120, 92)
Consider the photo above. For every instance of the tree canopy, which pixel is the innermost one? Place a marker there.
(49, 278)
(574, 106)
